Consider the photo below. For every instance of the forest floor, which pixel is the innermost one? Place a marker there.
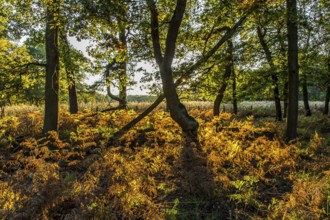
(244, 169)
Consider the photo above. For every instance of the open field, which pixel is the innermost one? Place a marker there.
(257, 108)
(243, 170)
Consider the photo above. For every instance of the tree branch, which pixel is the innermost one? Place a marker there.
(155, 31)
(27, 65)
(173, 31)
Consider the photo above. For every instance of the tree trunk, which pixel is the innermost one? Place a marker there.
(305, 97)
(52, 69)
(123, 72)
(178, 111)
(327, 95)
(326, 103)
(226, 76)
(122, 102)
(73, 101)
(70, 72)
(121, 69)
(270, 61)
(285, 99)
(293, 69)
(234, 92)
(277, 98)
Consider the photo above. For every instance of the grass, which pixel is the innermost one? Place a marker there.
(245, 169)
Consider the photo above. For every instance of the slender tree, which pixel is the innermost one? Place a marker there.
(308, 111)
(70, 74)
(270, 61)
(226, 76)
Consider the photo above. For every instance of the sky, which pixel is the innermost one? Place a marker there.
(132, 90)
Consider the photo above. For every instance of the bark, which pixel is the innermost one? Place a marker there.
(293, 70)
(270, 61)
(305, 97)
(234, 92)
(226, 76)
(52, 70)
(73, 101)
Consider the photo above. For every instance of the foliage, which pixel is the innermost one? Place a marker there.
(244, 169)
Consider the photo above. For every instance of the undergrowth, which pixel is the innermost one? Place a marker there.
(244, 169)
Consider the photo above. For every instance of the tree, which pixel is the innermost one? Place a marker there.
(15, 62)
(107, 24)
(261, 35)
(52, 67)
(177, 110)
(293, 70)
(226, 76)
(327, 95)
(70, 69)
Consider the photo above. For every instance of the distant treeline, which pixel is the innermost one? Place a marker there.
(141, 98)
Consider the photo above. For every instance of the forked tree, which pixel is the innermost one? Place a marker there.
(164, 61)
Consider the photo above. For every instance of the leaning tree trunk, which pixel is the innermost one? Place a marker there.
(52, 69)
(226, 76)
(178, 111)
(73, 101)
(293, 70)
(270, 61)
(305, 97)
